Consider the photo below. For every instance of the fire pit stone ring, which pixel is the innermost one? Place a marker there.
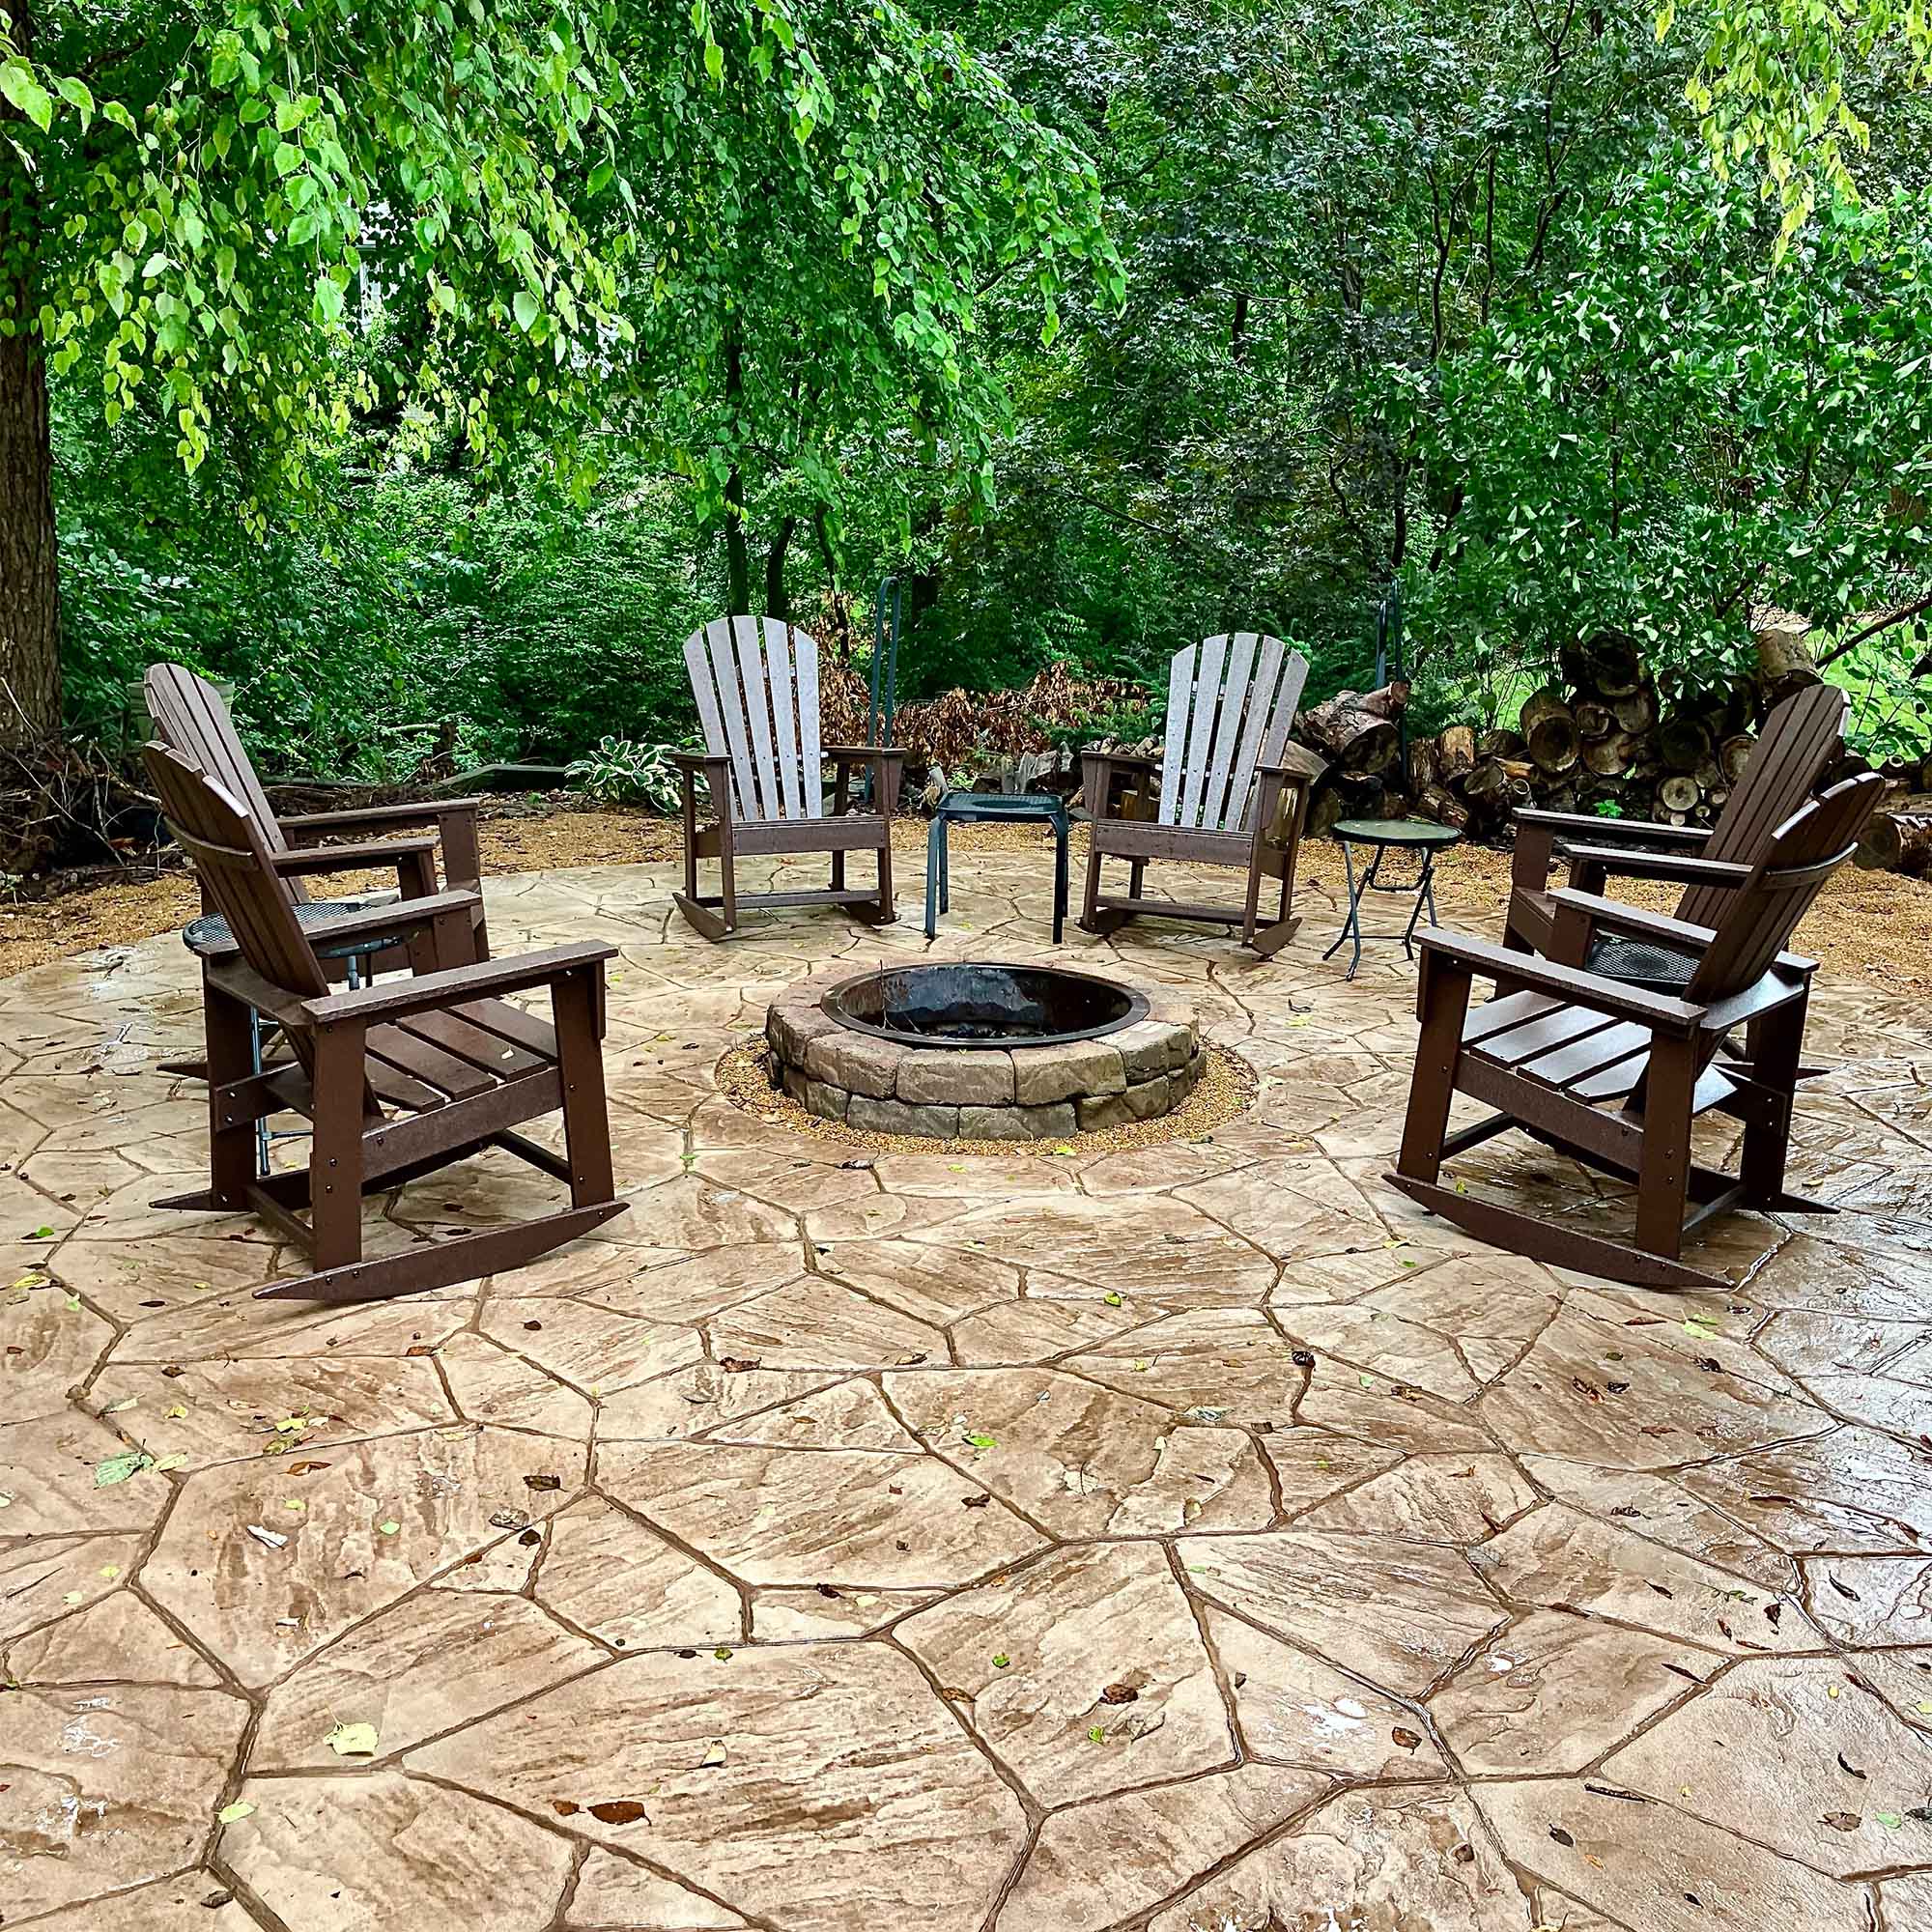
(981, 1050)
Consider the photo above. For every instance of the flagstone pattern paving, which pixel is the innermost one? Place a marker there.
(1196, 1537)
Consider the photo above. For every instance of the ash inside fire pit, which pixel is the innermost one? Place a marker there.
(979, 1051)
(980, 1004)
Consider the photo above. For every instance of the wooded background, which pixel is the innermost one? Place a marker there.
(427, 374)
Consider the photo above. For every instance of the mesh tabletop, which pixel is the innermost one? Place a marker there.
(209, 933)
(1641, 962)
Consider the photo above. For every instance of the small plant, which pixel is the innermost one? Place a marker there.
(620, 771)
(1608, 807)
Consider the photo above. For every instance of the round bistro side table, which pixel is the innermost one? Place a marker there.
(1385, 835)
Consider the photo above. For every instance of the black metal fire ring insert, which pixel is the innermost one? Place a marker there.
(983, 1004)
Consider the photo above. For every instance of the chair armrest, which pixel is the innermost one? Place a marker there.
(372, 852)
(1637, 830)
(1288, 774)
(382, 923)
(1617, 916)
(426, 992)
(1614, 916)
(699, 762)
(1138, 760)
(1610, 861)
(376, 816)
(1676, 1019)
(852, 755)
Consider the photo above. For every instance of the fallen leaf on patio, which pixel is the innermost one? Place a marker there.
(40, 1234)
(1111, 1299)
(175, 1411)
(978, 1502)
(723, 1653)
(1841, 1821)
(233, 1814)
(1406, 1738)
(388, 1528)
(291, 1425)
(353, 1741)
(1063, 1149)
(737, 1365)
(71, 1598)
(1890, 1820)
(303, 1468)
(543, 1482)
(982, 1441)
(1097, 1735)
(118, 1468)
(1120, 1694)
(620, 1811)
(1003, 1661)
(175, 1459)
(713, 1757)
(290, 1503)
(272, 1538)
(1562, 1837)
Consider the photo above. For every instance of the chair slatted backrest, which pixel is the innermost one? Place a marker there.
(1763, 913)
(190, 717)
(1231, 703)
(756, 680)
(230, 855)
(1801, 737)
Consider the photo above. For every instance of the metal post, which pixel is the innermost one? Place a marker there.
(882, 699)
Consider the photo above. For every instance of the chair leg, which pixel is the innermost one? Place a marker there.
(690, 807)
(1663, 1170)
(335, 1150)
(1443, 999)
(1089, 897)
(1773, 1047)
(587, 1119)
(229, 1029)
(888, 910)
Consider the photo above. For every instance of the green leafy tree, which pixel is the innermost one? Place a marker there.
(827, 210)
(1679, 431)
(196, 201)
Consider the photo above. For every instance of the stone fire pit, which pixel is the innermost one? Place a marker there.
(982, 1051)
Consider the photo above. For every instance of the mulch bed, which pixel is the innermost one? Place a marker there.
(1874, 926)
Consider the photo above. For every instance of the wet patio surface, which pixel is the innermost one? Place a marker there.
(1196, 1537)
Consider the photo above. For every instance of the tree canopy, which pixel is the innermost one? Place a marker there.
(472, 353)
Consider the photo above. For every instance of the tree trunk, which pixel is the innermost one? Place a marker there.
(30, 689)
(1607, 665)
(1456, 752)
(737, 556)
(776, 603)
(1897, 841)
(1356, 729)
(1550, 730)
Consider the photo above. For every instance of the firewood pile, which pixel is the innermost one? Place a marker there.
(1597, 739)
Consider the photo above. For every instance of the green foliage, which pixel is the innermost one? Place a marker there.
(620, 771)
(1102, 324)
(1677, 431)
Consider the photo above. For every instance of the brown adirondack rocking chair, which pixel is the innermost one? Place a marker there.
(1801, 738)
(1225, 797)
(756, 682)
(190, 717)
(1614, 1075)
(397, 1079)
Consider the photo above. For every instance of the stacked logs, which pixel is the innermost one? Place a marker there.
(1597, 739)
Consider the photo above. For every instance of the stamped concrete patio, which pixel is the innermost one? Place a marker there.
(1193, 1538)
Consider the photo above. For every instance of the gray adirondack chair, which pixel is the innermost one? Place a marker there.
(1225, 796)
(756, 682)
